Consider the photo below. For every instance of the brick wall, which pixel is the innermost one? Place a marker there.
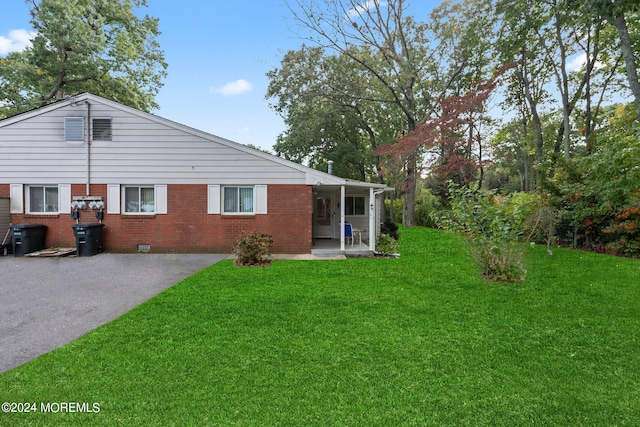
(187, 227)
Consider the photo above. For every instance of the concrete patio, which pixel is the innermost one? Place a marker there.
(327, 248)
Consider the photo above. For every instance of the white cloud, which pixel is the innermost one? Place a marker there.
(576, 62)
(579, 61)
(15, 41)
(367, 6)
(234, 88)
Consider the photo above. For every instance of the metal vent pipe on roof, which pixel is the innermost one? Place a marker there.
(330, 167)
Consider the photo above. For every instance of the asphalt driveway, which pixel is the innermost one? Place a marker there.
(48, 302)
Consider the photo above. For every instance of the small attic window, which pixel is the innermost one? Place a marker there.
(74, 129)
(101, 129)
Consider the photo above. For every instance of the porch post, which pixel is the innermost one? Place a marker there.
(372, 219)
(342, 195)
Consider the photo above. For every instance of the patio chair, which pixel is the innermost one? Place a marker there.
(356, 234)
(348, 232)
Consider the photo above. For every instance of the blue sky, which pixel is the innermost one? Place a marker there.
(218, 54)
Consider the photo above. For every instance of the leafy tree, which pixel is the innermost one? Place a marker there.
(392, 49)
(405, 64)
(620, 13)
(453, 133)
(98, 46)
(542, 36)
(527, 92)
(512, 167)
(323, 100)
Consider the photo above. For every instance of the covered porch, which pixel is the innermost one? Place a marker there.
(358, 204)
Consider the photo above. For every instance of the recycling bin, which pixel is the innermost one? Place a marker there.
(88, 238)
(27, 238)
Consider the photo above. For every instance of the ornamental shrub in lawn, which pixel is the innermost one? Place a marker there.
(386, 245)
(252, 249)
(493, 226)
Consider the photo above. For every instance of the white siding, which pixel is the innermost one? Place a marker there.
(144, 150)
(33, 151)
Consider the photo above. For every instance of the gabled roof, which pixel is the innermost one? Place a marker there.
(313, 176)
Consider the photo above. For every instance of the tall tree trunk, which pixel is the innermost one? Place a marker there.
(629, 60)
(563, 85)
(481, 178)
(412, 160)
(587, 109)
(525, 175)
(412, 166)
(537, 123)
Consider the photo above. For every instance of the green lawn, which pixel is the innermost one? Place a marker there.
(418, 340)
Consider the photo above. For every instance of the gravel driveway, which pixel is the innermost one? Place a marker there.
(48, 302)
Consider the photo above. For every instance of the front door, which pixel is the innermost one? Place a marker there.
(324, 217)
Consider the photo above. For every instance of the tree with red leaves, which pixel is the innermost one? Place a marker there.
(453, 135)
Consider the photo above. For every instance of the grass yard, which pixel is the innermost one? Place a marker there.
(418, 340)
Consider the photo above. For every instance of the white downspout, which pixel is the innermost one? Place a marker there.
(373, 229)
(342, 196)
(372, 220)
(88, 191)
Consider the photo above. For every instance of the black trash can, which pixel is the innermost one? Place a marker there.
(88, 238)
(27, 238)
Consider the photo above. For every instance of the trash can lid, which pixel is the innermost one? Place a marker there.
(87, 225)
(16, 226)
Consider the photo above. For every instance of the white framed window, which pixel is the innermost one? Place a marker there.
(354, 205)
(74, 129)
(43, 199)
(40, 199)
(230, 200)
(101, 129)
(238, 200)
(139, 199)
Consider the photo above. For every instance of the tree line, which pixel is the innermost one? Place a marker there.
(511, 95)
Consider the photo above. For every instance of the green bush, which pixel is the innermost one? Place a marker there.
(386, 245)
(598, 196)
(426, 207)
(398, 208)
(499, 261)
(252, 249)
(625, 230)
(493, 226)
(390, 228)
